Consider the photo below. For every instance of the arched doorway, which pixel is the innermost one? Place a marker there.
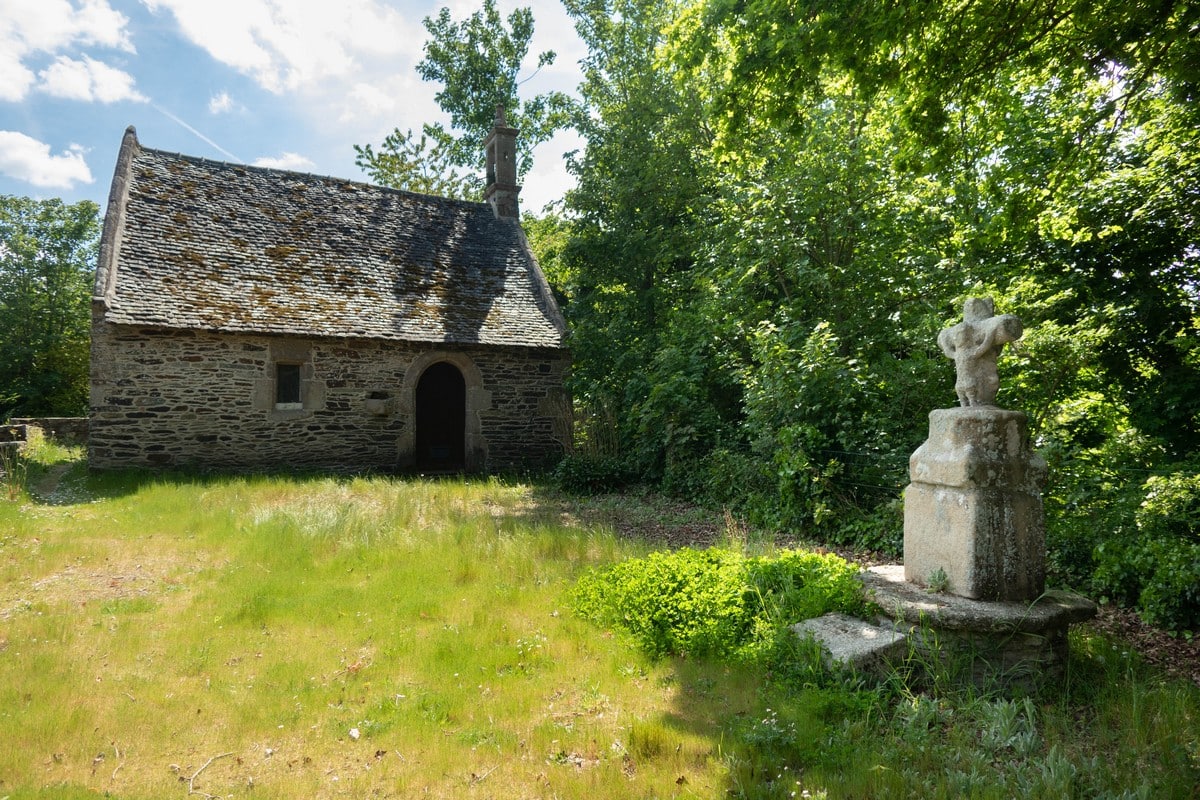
(441, 419)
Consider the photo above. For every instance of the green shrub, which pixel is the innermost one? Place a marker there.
(586, 473)
(1155, 566)
(1160, 577)
(716, 602)
(737, 480)
(686, 601)
(1171, 507)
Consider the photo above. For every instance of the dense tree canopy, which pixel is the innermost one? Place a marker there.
(780, 204)
(47, 260)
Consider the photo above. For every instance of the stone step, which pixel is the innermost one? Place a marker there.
(854, 643)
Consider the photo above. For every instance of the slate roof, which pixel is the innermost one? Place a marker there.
(197, 244)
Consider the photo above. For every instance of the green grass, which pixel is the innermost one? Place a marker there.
(284, 637)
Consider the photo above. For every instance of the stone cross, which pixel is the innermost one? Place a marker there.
(975, 344)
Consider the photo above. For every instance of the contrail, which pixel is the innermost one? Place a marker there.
(200, 135)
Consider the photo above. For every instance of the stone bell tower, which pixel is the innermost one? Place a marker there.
(501, 148)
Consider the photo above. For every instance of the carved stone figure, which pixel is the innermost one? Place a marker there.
(975, 344)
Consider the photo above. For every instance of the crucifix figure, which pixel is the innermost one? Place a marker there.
(975, 344)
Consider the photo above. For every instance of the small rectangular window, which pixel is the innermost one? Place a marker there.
(287, 386)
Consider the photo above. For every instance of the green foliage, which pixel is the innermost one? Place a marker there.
(47, 261)
(635, 214)
(686, 601)
(404, 162)
(477, 62)
(1171, 507)
(1155, 565)
(716, 602)
(780, 205)
(592, 473)
(14, 473)
(548, 237)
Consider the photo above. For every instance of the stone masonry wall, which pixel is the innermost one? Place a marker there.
(193, 398)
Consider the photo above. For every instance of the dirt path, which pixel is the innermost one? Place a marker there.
(48, 484)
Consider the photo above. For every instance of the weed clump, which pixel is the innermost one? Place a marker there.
(716, 603)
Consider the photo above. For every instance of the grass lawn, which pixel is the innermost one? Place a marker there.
(310, 637)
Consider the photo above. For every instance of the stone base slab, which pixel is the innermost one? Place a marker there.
(1004, 642)
(854, 643)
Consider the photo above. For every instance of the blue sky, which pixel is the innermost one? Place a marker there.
(293, 84)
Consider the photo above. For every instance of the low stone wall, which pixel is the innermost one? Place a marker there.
(12, 442)
(12, 434)
(64, 430)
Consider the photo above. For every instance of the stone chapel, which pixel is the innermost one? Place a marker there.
(245, 317)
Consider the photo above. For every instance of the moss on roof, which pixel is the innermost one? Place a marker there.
(199, 244)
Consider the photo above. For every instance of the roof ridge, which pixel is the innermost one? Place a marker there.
(313, 175)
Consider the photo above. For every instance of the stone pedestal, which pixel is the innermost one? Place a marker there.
(973, 522)
(989, 643)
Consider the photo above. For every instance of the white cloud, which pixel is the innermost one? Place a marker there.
(292, 161)
(290, 45)
(29, 28)
(26, 159)
(549, 180)
(15, 77)
(220, 103)
(98, 23)
(369, 100)
(49, 25)
(88, 80)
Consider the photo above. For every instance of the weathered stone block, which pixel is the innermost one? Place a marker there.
(973, 512)
(850, 642)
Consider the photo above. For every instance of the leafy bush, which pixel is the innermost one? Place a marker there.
(687, 601)
(1090, 498)
(1171, 507)
(1155, 568)
(586, 473)
(716, 602)
(880, 530)
(1159, 577)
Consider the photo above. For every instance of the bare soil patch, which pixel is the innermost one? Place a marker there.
(1177, 655)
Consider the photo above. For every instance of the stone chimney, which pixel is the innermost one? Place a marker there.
(501, 149)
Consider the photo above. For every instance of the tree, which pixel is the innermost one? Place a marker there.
(640, 368)
(1040, 143)
(404, 162)
(47, 259)
(477, 62)
(937, 54)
